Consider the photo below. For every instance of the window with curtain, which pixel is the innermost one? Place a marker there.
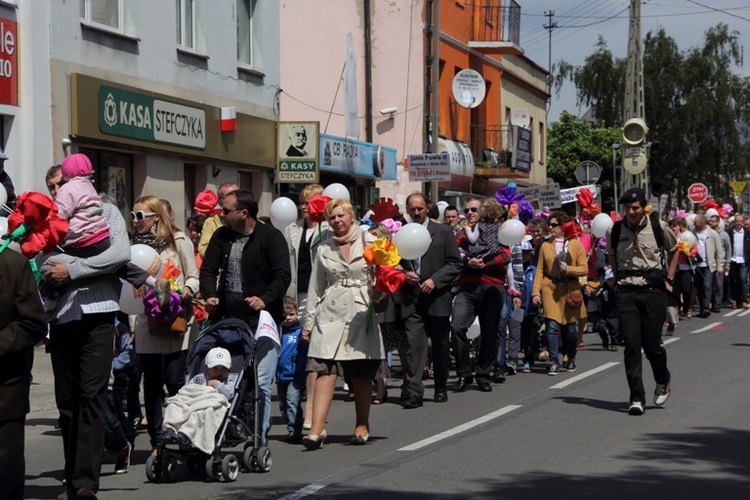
(186, 23)
(245, 35)
(105, 12)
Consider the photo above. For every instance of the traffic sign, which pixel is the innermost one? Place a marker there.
(588, 172)
(698, 192)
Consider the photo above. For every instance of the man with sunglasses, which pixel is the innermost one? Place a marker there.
(250, 262)
(213, 223)
(643, 273)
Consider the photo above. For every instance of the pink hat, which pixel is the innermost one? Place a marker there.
(76, 165)
(206, 203)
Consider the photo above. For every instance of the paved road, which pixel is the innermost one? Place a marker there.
(533, 437)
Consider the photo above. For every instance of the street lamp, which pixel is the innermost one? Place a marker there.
(615, 147)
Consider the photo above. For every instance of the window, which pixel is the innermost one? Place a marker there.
(186, 23)
(106, 13)
(246, 48)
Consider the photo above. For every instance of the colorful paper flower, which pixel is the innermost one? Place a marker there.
(388, 279)
(44, 227)
(382, 252)
(384, 208)
(316, 207)
(167, 314)
(727, 208)
(681, 214)
(648, 210)
(525, 211)
(507, 195)
(571, 230)
(392, 225)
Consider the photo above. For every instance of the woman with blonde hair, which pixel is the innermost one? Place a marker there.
(163, 357)
(336, 324)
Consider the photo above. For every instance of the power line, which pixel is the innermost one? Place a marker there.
(723, 11)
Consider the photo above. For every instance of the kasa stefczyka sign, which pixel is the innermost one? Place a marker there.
(147, 118)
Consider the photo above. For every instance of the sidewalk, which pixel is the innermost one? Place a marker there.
(42, 397)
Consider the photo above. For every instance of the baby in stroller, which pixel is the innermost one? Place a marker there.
(179, 417)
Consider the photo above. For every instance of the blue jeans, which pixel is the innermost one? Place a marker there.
(291, 404)
(266, 358)
(502, 331)
(569, 339)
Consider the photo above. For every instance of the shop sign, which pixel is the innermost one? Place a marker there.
(8, 62)
(521, 159)
(546, 195)
(343, 155)
(297, 171)
(139, 116)
(430, 167)
(297, 152)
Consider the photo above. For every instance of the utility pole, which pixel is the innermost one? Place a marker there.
(549, 27)
(634, 173)
(431, 83)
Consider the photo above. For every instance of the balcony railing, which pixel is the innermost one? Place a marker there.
(491, 145)
(494, 23)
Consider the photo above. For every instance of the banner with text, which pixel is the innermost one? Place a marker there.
(547, 195)
(429, 167)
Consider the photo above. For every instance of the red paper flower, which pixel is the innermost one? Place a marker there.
(316, 207)
(170, 271)
(585, 197)
(388, 279)
(384, 208)
(571, 230)
(711, 204)
(40, 213)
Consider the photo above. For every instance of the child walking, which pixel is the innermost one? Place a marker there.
(290, 371)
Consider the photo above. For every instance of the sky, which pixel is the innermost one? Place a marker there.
(580, 22)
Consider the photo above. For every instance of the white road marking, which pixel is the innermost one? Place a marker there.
(707, 327)
(673, 339)
(461, 428)
(732, 313)
(744, 313)
(584, 375)
(307, 490)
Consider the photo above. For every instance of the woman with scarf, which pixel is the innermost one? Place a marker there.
(561, 262)
(163, 358)
(343, 336)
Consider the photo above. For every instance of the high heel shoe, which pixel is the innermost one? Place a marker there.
(359, 440)
(313, 442)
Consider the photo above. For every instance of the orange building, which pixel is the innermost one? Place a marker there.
(484, 35)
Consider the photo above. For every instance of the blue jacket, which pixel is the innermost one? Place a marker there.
(293, 355)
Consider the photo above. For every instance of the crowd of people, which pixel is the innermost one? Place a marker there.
(491, 309)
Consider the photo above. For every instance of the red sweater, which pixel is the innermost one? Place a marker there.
(494, 272)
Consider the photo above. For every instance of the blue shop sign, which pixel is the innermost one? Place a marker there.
(348, 156)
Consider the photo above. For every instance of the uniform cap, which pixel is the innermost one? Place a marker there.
(633, 195)
(219, 356)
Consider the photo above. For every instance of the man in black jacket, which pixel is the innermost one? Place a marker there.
(250, 263)
(22, 325)
(739, 239)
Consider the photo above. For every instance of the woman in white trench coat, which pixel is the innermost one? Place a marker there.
(336, 323)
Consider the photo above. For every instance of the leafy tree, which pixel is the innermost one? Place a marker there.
(572, 141)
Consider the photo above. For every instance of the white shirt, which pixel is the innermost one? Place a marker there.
(738, 251)
(702, 235)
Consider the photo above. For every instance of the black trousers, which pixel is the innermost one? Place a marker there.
(12, 465)
(419, 326)
(485, 301)
(158, 370)
(642, 314)
(81, 353)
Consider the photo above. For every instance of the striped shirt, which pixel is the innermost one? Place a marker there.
(92, 296)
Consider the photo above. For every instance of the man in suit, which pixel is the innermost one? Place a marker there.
(739, 239)
(22, 325)
(426, 303)
(712, 253)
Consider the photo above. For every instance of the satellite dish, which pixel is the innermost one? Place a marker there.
(520, 117)
(468, 88)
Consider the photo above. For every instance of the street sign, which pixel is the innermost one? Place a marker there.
(429, 167)
(588, 172)
(698, 192)
(738, 186)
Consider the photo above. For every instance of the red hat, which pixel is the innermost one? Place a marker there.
(206, 203)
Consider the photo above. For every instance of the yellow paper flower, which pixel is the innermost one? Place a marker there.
(382, 253)
(648, 210)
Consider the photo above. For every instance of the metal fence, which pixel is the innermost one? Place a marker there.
(494, 23)
(492, 144)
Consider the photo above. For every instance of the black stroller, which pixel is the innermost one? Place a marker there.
(240, 424)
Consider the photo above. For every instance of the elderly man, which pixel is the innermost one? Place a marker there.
(726, 247)
(739, 239)
(426, 303)
(712, 260)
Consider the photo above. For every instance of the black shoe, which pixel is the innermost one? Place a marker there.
(485, 387)
(462, 383)
(183, 439)
(704, 314)
(716, 309)
(499, 376)
(440, 397)
(412, 402)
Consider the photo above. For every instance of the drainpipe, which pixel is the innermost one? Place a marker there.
(368, 72)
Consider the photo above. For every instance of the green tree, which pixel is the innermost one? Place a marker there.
(572, 141)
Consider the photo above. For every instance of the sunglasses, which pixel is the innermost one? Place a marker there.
(472, 209)
(140, 215)
(226, 211)
(554, 224)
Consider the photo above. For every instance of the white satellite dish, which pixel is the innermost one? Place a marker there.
(469, 88)
(520, 117)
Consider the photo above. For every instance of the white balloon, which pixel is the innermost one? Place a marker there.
(337, 191)
(3, 225)
(283, 212)
(146, 258)
(601, 224)
(690, 221)
(3, 195)
(689, 238)
(711, 212)
(474, 330)
(442, 205)
(131, 299)
(511, 232)
(412, 241)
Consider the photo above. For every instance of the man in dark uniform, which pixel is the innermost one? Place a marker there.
(642, 275)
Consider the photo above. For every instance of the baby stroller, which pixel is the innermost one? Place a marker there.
(236, 428)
